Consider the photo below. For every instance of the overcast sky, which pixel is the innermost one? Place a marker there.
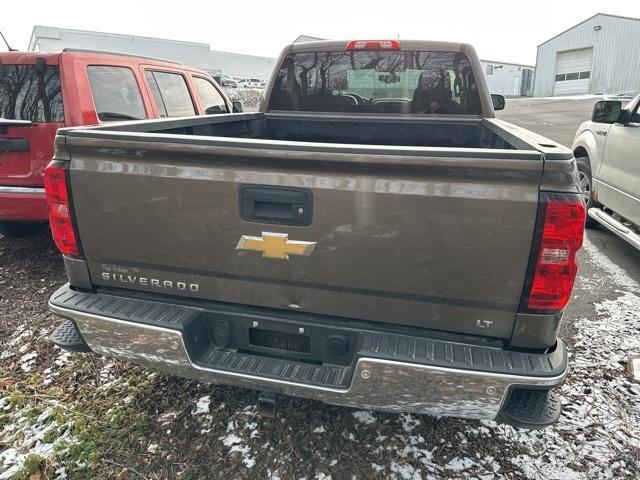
(500, 30)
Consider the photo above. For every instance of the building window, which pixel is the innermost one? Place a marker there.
(489, 69)
(561, 77)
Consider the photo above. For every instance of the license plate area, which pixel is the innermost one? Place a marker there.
(287, 337)
(277, 340)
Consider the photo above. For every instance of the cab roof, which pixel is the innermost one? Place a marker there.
(414, 45)
(52, 58)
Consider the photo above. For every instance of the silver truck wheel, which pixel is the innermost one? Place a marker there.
(586, 186)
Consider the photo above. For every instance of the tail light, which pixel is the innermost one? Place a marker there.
(553, 269)
(373, 45)
(60, 213)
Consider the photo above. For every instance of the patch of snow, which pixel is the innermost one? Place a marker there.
(231, 439)
(322, 476)
(27, 361)
(244, 451)
(202, 405)
(408, 422)
(63, 358)
(272, 475)
(60, 474)
(406, 471)
(460, 464)
(365, 417)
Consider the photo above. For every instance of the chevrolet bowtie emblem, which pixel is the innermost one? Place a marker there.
(275, 245)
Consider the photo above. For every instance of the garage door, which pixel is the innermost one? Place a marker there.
(573, 72)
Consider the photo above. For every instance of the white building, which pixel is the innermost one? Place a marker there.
(509, 79)
(54, 39)
(241, 66)
(199, 55)
(598, 55)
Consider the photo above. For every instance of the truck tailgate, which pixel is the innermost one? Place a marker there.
(438, 238)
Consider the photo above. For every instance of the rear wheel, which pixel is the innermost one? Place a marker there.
(20, 229)
(586, 186)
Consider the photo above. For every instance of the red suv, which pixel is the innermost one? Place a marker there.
(41, 92)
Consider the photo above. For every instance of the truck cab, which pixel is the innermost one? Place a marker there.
(41, 92)
(607, 150)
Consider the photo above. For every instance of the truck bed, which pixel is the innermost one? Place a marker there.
(342, 129)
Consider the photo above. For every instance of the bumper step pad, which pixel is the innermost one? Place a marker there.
(67, 337)
(276, 368)
(531, 409)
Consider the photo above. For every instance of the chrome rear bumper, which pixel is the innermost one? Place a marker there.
(375, 383)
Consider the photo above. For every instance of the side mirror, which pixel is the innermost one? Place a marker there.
(498, 101)
(215, 110)
(606, 111)
(237, 107)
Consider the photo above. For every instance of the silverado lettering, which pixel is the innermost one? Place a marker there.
(154, 282)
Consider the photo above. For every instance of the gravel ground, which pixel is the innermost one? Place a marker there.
(82, 416)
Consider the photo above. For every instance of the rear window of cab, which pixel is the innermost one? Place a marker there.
(380, 81)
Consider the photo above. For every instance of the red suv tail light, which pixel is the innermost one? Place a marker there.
(60, 220)
(554, 266)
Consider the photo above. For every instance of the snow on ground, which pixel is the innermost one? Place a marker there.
(364, 417)
(202, 405)
(29, 437)
(598, 435)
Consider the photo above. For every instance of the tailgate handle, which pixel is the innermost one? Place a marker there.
(280, 205)
(14, 145)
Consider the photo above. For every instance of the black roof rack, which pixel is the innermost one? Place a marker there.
(86, 50)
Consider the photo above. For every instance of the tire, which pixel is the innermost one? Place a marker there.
(20, 229)
(586, 185)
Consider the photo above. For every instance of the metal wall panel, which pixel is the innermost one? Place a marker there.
(616, 56)
(506, 78)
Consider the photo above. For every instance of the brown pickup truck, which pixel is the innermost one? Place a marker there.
(372, 237)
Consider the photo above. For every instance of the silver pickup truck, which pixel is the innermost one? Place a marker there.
(607, 150)
(372, 237)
